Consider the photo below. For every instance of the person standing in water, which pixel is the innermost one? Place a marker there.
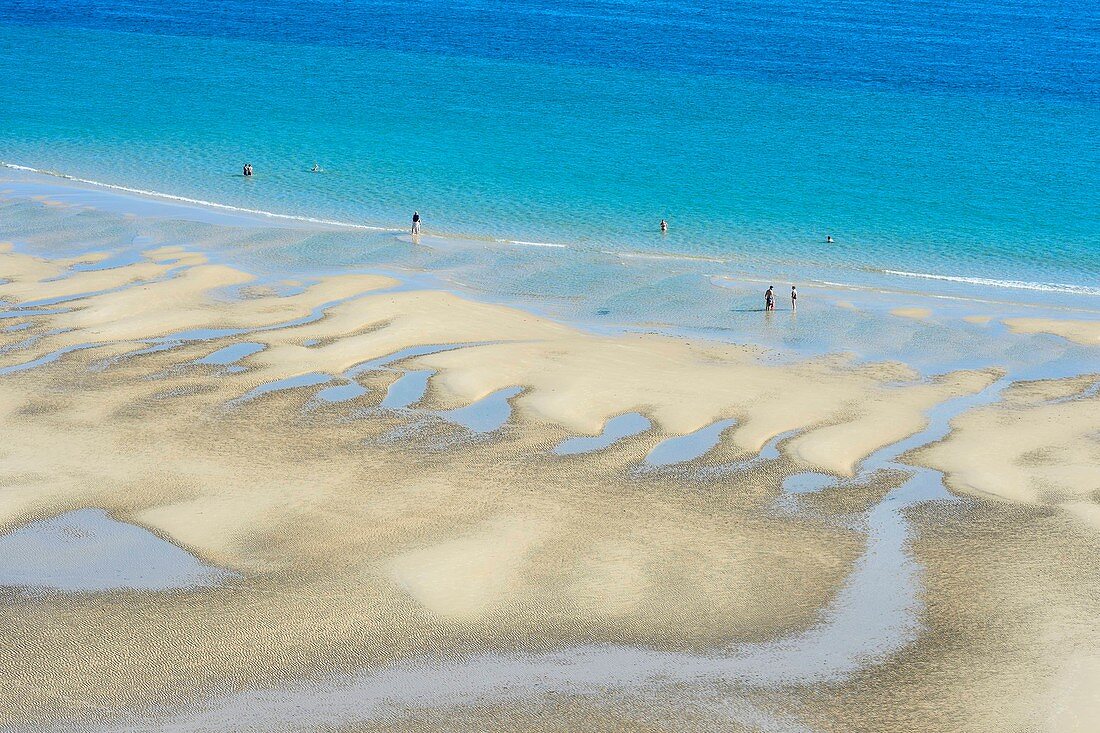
(769, 298)
(416, 223)
(248, 170)
(794, 298)
(828, 239)
(664, 226)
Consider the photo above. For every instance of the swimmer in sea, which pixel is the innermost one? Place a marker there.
(828, 239)
(317, 169)
(664, 226)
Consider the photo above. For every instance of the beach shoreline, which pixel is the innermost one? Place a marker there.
(360, 466)
(399, 366)
(28, 182)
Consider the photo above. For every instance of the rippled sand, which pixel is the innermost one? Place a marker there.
(389, 569)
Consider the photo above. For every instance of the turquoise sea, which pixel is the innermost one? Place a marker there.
(956, 139)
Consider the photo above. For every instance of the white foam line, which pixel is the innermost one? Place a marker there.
(534, 244)
(1017, 284)
(659, 256)
(199, 202)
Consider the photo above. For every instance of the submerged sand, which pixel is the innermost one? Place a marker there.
(1082, 332)
(359, 541)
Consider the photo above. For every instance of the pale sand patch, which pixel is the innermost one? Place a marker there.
(24, 289)
(376, 326)
(151, 308)
(917, 313)
(1086, 511)
(218, 524)
(140, 312)
(172, 252)
(613, 579)
(838, 448)
(980, 320)
(90, 258)
(468, 576)
(1081, 332)
(582, 381)
(1073, 704)
(19, 267)
(1046, 451)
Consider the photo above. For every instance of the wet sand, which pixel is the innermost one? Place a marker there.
(363, 523)
(1082, 332)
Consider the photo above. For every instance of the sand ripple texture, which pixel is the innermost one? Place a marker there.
(367, 568)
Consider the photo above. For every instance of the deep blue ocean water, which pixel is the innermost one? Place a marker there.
(959, 139)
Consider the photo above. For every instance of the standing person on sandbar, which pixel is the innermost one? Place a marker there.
(416, 223)
(794, 298)
(769, 298)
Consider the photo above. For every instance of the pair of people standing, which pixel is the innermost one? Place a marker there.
(769, 298)
(247, 170)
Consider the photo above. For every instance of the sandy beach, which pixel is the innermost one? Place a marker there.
(368, 499)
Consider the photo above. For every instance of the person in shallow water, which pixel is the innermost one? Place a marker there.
(248, 170)
(828, 239)
(769, 298)
(664, 226)
(794, 298)
(416, 222)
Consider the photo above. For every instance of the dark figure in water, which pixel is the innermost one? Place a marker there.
(769, 298)
(416, 223)
(828, 239)
(794, 298)
(664, 226)
(248, 170)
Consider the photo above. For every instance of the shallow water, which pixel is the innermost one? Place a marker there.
(341, 392)
(407, 390)
(44, 359)
(617, 428)
(86, 551)
(311, 379)
(687, 447)
(231, 354)
(754, 129)
(488, 414)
